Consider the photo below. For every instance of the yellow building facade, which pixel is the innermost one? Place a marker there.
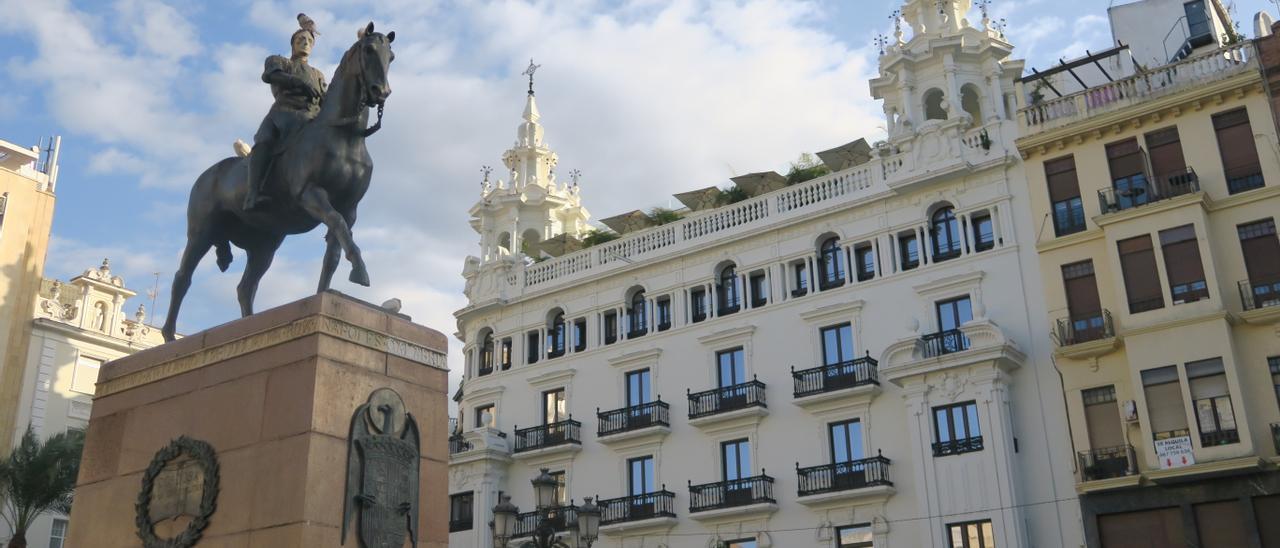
(1157, 194)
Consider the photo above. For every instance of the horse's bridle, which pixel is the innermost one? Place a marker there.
(364, 102)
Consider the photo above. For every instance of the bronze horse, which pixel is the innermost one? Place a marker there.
(319, 176)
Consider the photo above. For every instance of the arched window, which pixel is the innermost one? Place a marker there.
(556, 335)
(637, 323)
(728, 289)
(971, 102)
(504, 242)
(946, 234)
(829, 263)
(933, 105)
(486, 354)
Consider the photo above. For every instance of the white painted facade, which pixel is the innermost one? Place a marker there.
(948, 95)
(1155, 30)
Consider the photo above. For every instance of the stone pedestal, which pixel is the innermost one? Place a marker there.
(273, 394)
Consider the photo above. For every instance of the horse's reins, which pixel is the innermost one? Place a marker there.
(377, 125)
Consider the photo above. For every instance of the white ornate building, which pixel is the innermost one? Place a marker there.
(844, 361)
(77, 326)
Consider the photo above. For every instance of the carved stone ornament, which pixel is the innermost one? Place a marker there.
(383, 459)
(182, 480)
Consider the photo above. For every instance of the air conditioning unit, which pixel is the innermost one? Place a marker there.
(1129, 410)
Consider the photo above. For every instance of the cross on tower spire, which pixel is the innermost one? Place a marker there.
(529, 72)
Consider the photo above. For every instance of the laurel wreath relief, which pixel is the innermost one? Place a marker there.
(205, 456)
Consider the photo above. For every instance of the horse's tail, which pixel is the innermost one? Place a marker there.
(222, 249)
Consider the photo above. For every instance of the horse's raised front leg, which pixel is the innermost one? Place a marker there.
(315, 201)
(198, 245)
(258, 260)
(332, 254)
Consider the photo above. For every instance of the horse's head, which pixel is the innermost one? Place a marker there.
(372, 55)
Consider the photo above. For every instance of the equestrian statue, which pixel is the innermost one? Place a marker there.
(309, 165)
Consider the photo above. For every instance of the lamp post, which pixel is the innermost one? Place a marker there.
(506, 516)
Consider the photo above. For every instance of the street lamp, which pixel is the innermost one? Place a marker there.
(506, 515)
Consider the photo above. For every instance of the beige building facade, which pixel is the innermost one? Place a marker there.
(1155, 192)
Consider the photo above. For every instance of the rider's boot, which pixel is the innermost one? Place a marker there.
(259, 162)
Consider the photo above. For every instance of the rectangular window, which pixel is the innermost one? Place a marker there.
(759, 290)
(1238, 150)
(732, 370)
(909, 251)
(640, 476)
(610, 327)
(532, 347)
(984, 232)
(953, 313)
(58, 534)
(854, 536)
(553, 406)
(698, 304)
(837, 344)
(1083, 305)
(663, 306)
(1212, 403)
(1182, 264)
(1064, 194)
(1165, 150)
(955, 427)
(1164, 402)
(562, 496)
(579, 334)
(1102, 417)
(1141, 281)
(846, 441)
(971, 534)
(482, 412)
(1198, 23)
(741, 543)
(865, 260)
(735, 459)
(639, 388)
(1273, 364)
(1261, 250)
(638, 317)
(506, 353)
(802, 280)
(460, 511)
(1129, 182)
(556, 337)
(85, 375)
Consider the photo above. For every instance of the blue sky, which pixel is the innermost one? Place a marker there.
(645, 97)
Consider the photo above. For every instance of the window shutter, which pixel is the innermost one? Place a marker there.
(1141, 280)
(1236, 146)
(1166, 152)
(1082, 289)
(1061, 176)
(1125, 159)
(1261, 250)
(1181, 255)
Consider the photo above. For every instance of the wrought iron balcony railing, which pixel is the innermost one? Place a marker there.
(1259, 294)
(1275, 436)
(657, 504)
(458, 444)
(731, 493)
(1107, 462)
(1219, 437)
(654, 413)
(1141, 192)
(456, 525)
(1242, 178)
(1084, 328)
(725, 399)
(944, 342)
(828, 378)
(561, 518)
(957, 446)
(548, 435)
(843, 476)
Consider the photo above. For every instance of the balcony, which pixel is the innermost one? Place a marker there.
(556, 437)
(1085, 336)
(846, 383)
(458, 444)
(957, 446)
(736, 499)
(1260, 300)
(646, 420)
(944, 342)
(562, 518)
(637, 512)
(1141, 192)
(1107, 467)
(729, 402)
(860, 479)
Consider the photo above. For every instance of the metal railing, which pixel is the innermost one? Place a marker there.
(548, 435)
(843, 476)
(1219, 437)
(731, 493)
(944, 342)
(1107, 462)
(1083, 329)
(657, 504)
(833, 377)
(1275, 436)
(1161, 187)
(1242, 178)
(561, 518)
(957, 446)
(725, 399)
(458, 444)
(1259, 294)
(456, 525)
(654, 413)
